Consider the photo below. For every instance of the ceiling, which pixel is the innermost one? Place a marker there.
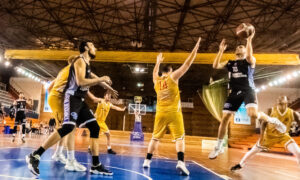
(156, 25)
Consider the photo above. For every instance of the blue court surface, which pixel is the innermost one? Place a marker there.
(13, 166)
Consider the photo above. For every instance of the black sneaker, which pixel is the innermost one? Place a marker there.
(100, 169)
(110, 151)
(23, 140)
(33, 163)
(236, 167)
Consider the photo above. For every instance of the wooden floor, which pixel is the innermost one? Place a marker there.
(264, 166)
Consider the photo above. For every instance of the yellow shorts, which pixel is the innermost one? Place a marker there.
(171, 120)
(57, 106)
(270, 141)
(103, 127)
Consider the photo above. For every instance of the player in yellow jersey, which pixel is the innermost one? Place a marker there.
(168, 108)
(103, 107)
(271, 136)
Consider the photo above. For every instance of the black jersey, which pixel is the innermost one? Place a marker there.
(72, 87)
(21, 105)
(240, 75)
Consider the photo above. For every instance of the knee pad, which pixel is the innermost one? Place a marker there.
(65, 129)
(94, 129)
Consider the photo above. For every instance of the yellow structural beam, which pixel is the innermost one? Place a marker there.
(147, 57)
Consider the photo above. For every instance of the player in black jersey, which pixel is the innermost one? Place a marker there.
(242, 89)
(76, 111)
(20, 118)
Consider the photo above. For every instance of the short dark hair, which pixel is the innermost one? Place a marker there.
(82, 45)
(166, 68)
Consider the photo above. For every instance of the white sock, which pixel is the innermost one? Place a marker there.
(14, 135)
(249, 154)
(71, 155)
(294, 148)
(220, 143)
(108, 147)
(23, 135)
(60, 149)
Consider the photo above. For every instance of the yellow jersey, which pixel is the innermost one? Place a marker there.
(61, 81)
(102, 111)
(168, 95)
(286, 118)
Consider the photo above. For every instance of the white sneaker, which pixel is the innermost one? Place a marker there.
(73, 165)
(215, 152)
(59, 158)
(279, 125)
(147, 163)
(182, 169)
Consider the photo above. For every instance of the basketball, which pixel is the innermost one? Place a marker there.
(244, 30)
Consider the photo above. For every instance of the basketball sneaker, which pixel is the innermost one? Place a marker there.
(33, 162)
(236, 167)
(110, 151)
(23, 140)
(59, 158)
(182, 168)
(73, 165)
(216, 152)
(147, 163)
(13, 140)
(100, 169)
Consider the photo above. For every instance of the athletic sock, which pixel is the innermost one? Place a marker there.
(149, 156)
(220, 143)
(180, 156)
(60, 149)
(71, 155)
(108, 147)
(23, 135)
(95, 160)
(39, 151)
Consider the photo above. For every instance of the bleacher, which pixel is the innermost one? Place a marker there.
(5, 98)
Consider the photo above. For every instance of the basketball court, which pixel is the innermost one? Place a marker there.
(214, 66)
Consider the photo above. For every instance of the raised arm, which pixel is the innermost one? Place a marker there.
(159, 60)
(79, 67)
(249, 51)
(217, 64)
(178, 73)
(117, 108)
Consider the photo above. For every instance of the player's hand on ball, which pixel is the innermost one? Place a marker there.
(223, 45)
(106, 79)
(159, 58)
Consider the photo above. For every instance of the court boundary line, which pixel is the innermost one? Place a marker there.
(128, 170)
(215, 173)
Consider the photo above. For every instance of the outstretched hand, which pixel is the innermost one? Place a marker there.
(223, 45)
(159, 58)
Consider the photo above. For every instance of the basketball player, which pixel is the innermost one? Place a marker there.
(241, 71)
(55, 100)
(271, 136)
(168, 107)
(76, 111)
(20, 106)
(103, 107)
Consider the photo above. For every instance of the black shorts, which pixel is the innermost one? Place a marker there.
(76, 111)
(20, 118)
(236, 98)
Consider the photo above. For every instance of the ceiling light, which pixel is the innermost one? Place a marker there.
(263, 87)
(139, 84)
(7, 63)
(295, 74)
(257, 90)
(270, 84)
(288, 77)
(142, 70)
(137, 69)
